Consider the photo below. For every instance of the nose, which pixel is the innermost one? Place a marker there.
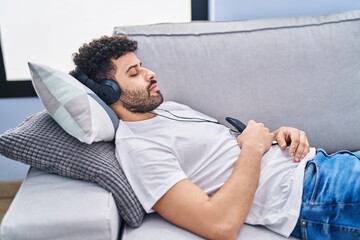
(150, 75)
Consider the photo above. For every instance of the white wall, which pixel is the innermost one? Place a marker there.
(49, 31)
(223, 10)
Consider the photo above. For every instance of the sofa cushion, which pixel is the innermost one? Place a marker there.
(40, 142)
(78, 110)
(155, 227)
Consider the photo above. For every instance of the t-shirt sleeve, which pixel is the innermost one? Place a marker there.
(150, 168)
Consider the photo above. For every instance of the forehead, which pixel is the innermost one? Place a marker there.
(126, 61)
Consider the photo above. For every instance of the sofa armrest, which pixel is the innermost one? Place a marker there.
(48, 206)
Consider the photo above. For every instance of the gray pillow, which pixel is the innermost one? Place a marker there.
(41, 143)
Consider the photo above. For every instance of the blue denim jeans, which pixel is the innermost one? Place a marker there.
(331, 197)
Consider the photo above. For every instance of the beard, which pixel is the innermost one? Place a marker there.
(141, 101)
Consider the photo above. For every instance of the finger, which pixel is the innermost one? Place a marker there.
(251, 122)
(302, 148)
(281, 140)
(295, 141)
(272, 136)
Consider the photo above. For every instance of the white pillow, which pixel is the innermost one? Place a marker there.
(77, 109)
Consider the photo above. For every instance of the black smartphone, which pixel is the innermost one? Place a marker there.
(236, 123)
(241, 126)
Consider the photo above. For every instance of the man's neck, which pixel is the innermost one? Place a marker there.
(129, 116)
(134, 117)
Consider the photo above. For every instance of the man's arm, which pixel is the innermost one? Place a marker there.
(222, 215)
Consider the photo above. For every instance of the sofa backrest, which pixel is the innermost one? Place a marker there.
(302, 72)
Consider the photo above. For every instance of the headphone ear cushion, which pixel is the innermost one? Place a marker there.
(109, 91)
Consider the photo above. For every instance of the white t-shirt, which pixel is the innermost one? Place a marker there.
(157, 153)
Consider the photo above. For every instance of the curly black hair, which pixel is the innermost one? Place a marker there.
(94, 58)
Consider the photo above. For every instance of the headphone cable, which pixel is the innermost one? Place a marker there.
(184, 119)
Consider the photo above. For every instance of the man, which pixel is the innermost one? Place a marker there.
(197, 175)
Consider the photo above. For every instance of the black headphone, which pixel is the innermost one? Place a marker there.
(108, 90)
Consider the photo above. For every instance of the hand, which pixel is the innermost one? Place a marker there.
(299, 145)
(256, 136)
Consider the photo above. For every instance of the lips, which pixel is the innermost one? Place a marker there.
(153, 85)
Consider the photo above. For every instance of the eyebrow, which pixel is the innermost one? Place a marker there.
(132, 66)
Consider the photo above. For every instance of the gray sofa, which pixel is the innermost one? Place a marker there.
(302, 72)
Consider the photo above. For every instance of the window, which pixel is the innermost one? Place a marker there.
(49, 31)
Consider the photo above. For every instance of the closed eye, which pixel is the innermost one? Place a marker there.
(133, 72)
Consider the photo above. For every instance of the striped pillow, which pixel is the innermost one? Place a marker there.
(78, 110)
